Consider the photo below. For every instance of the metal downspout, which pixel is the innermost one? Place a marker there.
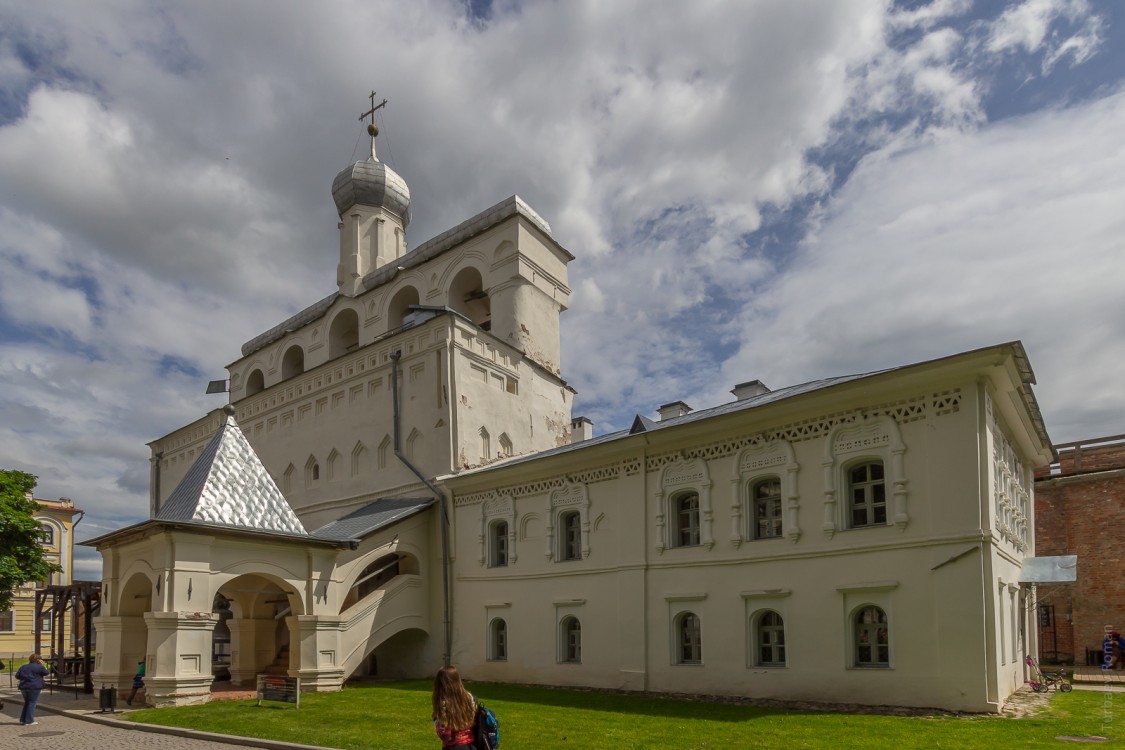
(443, 521)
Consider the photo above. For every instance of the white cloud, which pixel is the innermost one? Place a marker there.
(164, 192)
(1006, 233)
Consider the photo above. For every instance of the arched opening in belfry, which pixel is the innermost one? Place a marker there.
(400, 306)
(255, 383)
(467, 296)
(343, 336)
(293, 363)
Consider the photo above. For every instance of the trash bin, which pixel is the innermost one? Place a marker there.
(107, 699)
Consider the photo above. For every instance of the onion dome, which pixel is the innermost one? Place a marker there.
(372, 183)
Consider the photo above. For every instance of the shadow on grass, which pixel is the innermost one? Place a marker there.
(618, 703)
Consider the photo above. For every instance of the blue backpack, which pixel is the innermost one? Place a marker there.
(486, 729)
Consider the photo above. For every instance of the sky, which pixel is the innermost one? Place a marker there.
(780, 190)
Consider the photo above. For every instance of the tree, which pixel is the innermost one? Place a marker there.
(21, 537)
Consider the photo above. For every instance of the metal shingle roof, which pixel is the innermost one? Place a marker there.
(228, 486)
(372, 517)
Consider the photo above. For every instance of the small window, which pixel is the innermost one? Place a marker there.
(689, 642)
(686, 508)
(45, 623)
(767, 508)
(7, 621)
(867, 497)
(571, 636)
(498, 640)
(571, 526)
(48, 534)
(498, 544)
(872, 638)
(769, 637)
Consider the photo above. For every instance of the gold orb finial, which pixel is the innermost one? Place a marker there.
(372, 130)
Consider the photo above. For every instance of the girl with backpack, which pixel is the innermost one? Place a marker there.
(455, 710)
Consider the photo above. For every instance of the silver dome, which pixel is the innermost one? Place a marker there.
(372, 183)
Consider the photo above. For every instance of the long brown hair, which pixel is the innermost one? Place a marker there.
(453, 706)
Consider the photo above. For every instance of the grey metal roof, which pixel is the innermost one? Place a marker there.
(371, 183)
(644, 424)
(292, 323)
(372, 517)
(228, 486)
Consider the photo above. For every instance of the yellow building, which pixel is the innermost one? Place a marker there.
(17, 625)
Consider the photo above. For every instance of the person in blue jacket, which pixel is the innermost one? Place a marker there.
(30, 678)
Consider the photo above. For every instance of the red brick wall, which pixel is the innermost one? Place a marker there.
(1081, 511)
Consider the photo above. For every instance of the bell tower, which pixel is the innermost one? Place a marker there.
(373, 202)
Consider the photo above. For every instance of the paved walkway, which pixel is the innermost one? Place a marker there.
(68, 723)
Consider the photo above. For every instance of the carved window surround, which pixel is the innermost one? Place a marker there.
(571, 496)
(498, 507)
(877, 438)
(756, 462)
(683, 475)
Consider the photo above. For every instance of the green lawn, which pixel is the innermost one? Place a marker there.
(395, 716)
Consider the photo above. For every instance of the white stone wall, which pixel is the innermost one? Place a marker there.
(933, 568)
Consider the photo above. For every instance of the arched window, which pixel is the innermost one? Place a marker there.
(767, 508)
(312, 471)
(343, 336)
(686, 509)
(498, 544)
(867, 495)
(255, 382)
(689, 639)
(498, 640)
(769, 640)
(293, 363)
(48, 534)
(485, 445)
(570, 524)
(872, 638)
(570, 641)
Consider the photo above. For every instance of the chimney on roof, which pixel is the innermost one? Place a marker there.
(581, 429)
(749, 389)
(673, 410)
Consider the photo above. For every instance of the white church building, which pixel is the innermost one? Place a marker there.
(398, 482)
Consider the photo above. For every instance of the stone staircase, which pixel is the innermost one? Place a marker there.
(280, 664)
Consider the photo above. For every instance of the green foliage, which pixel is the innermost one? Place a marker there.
(21, 551)
(395, 716)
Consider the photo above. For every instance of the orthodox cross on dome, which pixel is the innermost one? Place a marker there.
(372, 128)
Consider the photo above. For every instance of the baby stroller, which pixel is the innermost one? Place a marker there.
(1042, 681)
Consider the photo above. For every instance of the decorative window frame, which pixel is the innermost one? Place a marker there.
(497, 508)
(683, 475)
(566, 609)
(855, 597)
(678, 606)
(756, 603)
(571, 496)
(872, 439)
(773, 459)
